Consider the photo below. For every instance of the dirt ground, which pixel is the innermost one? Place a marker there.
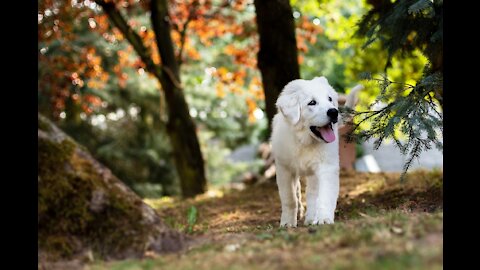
(381, 223)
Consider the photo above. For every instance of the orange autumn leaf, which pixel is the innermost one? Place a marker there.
(255, 89)
(300, 59)
(220, 90)
(251, 106)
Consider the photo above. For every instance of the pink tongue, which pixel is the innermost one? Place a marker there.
(327, 133)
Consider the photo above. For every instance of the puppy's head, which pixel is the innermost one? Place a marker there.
(312, 106)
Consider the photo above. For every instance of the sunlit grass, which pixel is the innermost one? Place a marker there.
(395, 239)
(382, 224)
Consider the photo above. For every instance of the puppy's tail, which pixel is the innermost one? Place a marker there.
(350, 101)
(352, 97)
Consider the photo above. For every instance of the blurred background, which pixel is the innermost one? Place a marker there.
(94, 86)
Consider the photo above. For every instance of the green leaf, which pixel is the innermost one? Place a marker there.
(191, 218)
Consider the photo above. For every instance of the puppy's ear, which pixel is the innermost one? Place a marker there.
(288, 102)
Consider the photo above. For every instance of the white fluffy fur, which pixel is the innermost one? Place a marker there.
(300, 154)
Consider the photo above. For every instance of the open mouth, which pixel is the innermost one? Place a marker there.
(325, 133)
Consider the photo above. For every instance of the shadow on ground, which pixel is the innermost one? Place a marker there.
(381, 223)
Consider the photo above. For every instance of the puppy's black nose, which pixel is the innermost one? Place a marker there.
(333, 114)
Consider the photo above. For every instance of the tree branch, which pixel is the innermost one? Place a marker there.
(372, 114)
(183, 33)
(161, 24)
(191, 16)
(219, 8)
(135, 40)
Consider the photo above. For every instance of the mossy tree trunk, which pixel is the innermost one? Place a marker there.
(277, 57)
(180, 127)
(83, 207)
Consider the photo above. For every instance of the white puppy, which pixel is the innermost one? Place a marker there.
(305, 144)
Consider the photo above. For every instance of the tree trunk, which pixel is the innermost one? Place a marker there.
(180, 127)
(84, 209)
(277, 58)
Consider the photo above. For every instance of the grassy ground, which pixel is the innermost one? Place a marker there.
(380, 224)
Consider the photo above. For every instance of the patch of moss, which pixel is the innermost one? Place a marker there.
(42, 124)
(118, 227)
(52, 189)
(64, 216)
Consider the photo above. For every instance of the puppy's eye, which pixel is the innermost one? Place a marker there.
(329, 98)
(311, 103)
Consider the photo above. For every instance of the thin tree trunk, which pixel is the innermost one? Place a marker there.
(180, 126)
(277, 58)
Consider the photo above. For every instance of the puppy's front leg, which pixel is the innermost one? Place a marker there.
(329, 182)
(287, 188)
(322, 194)
(312, 192)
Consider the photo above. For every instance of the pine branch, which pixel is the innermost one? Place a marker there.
(414, 154)
(419, 6)
(411, 114)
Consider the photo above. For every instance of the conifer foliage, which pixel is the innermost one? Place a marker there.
(414, 109)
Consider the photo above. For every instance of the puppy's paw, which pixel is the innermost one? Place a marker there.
(325, 221)
(310, 218)
(318, 221)
(309, 222)
(288, 225)
(288, 219)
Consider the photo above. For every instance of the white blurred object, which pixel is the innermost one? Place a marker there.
(367, 163)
